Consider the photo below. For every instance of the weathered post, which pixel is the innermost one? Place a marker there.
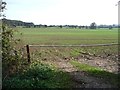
(28, 53)
(16, 55)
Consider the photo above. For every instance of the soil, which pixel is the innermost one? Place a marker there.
(81, 79)
(103, 63)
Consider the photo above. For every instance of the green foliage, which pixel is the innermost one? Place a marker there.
(7, 41)
(84, 67)
(75, 52)
(38, 75)
(93, 25)
(11, 59)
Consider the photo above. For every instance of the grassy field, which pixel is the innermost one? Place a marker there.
(67, 36)
(41, 75)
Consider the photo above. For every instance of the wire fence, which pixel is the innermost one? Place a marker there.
(88, 45)
(82, 45)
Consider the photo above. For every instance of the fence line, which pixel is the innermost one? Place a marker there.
(84, 45)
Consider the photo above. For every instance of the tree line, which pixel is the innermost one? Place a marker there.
(15, 23)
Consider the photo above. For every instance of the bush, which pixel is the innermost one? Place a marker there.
(11, 59)
(38, 75)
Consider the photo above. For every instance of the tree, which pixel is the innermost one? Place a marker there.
(93, 25)
(110, 27)
(60, 26)
(2, 8)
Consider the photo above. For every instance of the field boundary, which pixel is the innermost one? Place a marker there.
(82, 45)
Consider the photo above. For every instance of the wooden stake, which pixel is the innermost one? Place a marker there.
(28, 53)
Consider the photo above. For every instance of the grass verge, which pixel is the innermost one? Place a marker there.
(97, 72)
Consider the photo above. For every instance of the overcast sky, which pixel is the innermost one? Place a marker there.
(63, 12)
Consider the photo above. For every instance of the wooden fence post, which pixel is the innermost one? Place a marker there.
(28, 53)
(16, 55)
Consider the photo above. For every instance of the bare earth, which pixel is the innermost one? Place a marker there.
(80, 78)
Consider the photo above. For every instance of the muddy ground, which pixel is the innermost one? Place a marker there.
(81, 79)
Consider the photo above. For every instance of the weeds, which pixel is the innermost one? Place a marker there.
(38, 75)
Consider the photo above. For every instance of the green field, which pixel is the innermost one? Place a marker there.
(40, 73)
(67, 36)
